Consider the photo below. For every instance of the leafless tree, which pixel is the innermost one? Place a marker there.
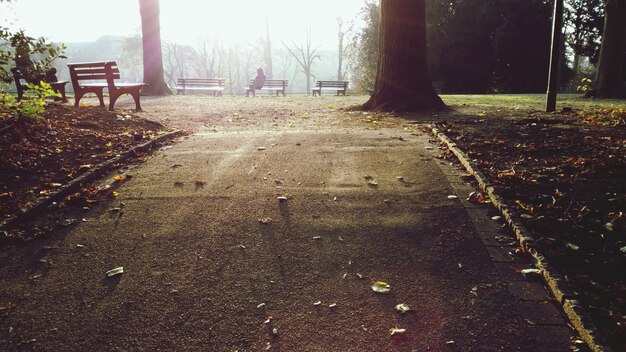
(342, 32)
(206, 58)
(267, 55)
(305, 56)
(176, 61)
(286, 61)
(131, 59)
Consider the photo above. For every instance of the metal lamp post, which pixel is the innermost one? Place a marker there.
(553, 74)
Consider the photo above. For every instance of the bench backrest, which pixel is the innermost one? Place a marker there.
(273, 83)
(201, 82)
(90, 71)
(332, 84)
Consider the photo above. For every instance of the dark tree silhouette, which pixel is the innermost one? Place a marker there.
(610, 77)
(152, 55)
(402, 82)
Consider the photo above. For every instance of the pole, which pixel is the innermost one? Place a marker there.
(555, 51)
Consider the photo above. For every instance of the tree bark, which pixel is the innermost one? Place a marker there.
(402, 82)
(610, 77)
(152, 54)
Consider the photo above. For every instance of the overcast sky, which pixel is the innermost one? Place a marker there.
(183, 21)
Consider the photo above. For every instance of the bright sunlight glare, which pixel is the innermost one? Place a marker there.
(184, 21)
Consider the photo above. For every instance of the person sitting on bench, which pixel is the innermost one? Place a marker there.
(260, 78)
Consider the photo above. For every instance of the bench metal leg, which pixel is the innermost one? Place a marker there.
(133, 92)
(60, 88)
(79, 93)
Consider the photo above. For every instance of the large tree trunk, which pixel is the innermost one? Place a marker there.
(152, 57)
(610, 77)
(402, 82)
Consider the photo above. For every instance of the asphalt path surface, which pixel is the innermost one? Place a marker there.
(269, 239)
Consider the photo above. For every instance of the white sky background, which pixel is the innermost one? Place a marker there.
(184, 21)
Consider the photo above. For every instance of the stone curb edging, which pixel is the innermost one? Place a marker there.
(89, 176)
(562, 291)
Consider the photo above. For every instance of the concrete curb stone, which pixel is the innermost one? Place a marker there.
(562, 291)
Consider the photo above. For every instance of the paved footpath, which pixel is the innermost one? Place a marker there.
(214, 261)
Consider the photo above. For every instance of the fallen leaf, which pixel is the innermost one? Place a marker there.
(402, 308)
(116, 271)
(530, 272)
(381, 287)
(6, 306)
(396, 330)
(572, 246)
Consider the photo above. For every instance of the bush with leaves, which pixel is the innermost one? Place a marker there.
(32, 105)
(17, 50)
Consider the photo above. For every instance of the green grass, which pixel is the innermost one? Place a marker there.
(530, 101)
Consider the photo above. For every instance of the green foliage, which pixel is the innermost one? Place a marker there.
(584, 23)
(365, 55)
(33, 102)
(17, 49)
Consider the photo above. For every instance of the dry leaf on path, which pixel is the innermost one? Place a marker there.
(403, 308)
(381, 287)
(116, 271)
(396, 331)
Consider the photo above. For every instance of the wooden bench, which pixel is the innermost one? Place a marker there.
(330, 86)
(213, 85)
(51, 78)
(276, 85)
(99, 71)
